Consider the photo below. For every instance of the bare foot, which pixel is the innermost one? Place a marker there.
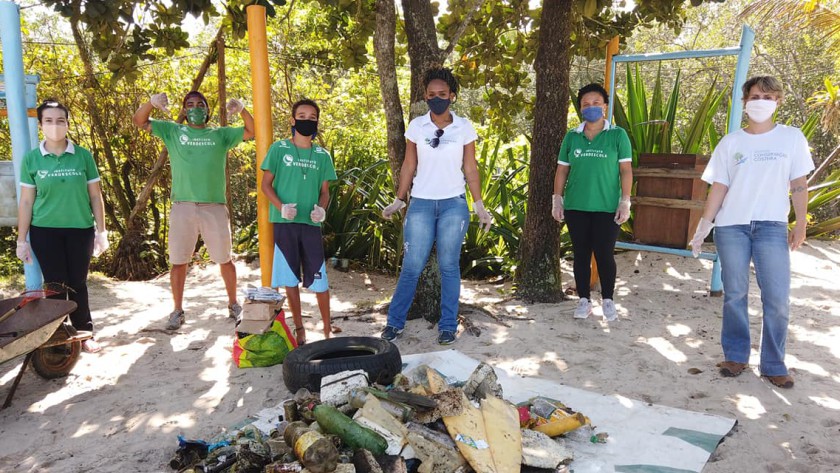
(300, 335)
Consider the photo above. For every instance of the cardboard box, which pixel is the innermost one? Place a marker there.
(254, 326)
(260, 311)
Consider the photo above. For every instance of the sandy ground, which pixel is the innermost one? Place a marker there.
(121, 409)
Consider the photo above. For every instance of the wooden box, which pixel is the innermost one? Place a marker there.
(669, 198)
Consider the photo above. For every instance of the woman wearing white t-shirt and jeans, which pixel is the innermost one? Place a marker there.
(752, 171)
(439, 158)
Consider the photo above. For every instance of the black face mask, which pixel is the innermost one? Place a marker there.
(306, 127)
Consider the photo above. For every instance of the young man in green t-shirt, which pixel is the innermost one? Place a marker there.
(197, 155)
(296, 175)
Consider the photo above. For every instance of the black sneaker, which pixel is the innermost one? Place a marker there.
(446, 337)
(391, 333)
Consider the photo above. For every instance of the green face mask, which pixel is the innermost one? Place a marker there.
(197, 115)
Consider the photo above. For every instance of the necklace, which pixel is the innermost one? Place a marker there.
(303, 166)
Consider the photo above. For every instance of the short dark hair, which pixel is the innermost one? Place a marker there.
(444, 74)
(195, 93)
(765, 83)
(309, 102)
(51, 103)
(592, 88)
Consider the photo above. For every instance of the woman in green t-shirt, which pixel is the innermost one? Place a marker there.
(60, 199)
(592, 194)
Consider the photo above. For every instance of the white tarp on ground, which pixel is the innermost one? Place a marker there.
(643, 438)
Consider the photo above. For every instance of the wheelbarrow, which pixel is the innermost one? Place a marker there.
(38, 328)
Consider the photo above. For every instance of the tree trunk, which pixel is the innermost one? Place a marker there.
(128, 262)
(538, 275)
(383, 48)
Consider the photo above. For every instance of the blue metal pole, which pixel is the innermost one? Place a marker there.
(741, 68)
(10, 37)
(733, 51)
(612, 92)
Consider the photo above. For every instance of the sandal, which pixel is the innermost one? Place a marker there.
(91, 346)
(730, 369)
(784, 381)
(298, 338)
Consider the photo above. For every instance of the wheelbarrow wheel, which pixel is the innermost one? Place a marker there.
(56, 361)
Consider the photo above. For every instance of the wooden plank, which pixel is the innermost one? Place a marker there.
(501, 421)
(668, 203)
(671, 173)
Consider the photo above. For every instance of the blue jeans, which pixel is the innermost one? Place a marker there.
(442, 222)
(766, 244)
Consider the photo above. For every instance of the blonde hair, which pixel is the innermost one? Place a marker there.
(765, 84)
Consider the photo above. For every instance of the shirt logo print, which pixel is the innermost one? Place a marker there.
(739, 158)
(288, 159)
(42, 174)
(184, 139)
(577, 152)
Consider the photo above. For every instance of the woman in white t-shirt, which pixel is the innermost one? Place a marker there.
(439, 159)
(752, 173)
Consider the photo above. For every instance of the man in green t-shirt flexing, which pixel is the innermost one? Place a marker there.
(197, 155)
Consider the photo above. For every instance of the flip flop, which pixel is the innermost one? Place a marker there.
(731, 369)
(91, 346)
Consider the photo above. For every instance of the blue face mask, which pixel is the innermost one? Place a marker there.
(592, 114)
(437, 105)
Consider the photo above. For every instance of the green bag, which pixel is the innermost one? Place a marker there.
(264, 349)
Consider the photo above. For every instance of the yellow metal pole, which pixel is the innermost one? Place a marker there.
(612, 49)
(258, 46)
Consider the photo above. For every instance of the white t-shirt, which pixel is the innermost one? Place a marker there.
(758, 169)
(439, 172)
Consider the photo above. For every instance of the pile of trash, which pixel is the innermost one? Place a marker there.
(420, 423)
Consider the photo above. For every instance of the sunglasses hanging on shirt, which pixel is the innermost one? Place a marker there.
(436, 140)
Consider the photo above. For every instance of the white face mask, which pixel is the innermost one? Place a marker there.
(54, 131)
(760, 111)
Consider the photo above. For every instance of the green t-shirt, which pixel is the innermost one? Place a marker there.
(198, 157)
(594, 182)
(61, 186)
(298, 175)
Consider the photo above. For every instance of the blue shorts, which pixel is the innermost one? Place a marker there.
(299, 251)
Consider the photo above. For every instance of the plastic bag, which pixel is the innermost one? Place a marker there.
(264, 349)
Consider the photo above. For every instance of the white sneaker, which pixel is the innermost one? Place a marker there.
(583, 309)
(608, 307)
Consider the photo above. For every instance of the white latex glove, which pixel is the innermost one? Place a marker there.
(318, 214)
(288, 211)
(484, 217)
(234, 107)
(557, 207)
(24, 252)
(160, 102)
(704, 227)
(393, 208)
(622, 213)
(100, 243)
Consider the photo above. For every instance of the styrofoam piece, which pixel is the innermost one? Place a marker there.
(335, 388)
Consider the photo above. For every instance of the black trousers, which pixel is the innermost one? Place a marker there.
(593, 232)
(64, 255)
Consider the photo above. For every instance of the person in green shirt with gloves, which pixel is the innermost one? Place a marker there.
(197, 155)
(296, 175)
(60, 201)
(592, 193)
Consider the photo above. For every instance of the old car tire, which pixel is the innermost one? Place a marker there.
(306, 365)
(56, 361)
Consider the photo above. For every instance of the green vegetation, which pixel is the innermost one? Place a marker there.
(325, 50)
